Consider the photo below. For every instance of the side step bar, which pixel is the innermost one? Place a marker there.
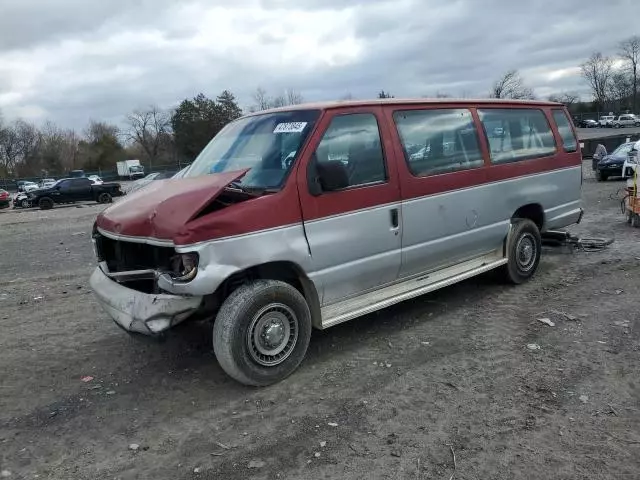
(348, 309)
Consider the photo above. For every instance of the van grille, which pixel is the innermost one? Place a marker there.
(122, 256)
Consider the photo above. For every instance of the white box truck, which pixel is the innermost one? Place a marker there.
(130, 169)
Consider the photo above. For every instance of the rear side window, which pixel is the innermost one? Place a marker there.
(517, 134)
(569, 142)
(438, 141)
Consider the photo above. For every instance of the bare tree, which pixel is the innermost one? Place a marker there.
(620, 90)
(28, 140)
(294, 97)
(347, 96)
(597, 72)
(264, 101)
(148, 128)
(9, 148)
(567, 98)
(630, 53)
(278, 101)
(440, 94)
(96, 131)
(261, 99)
(57, 149)
(511, 85)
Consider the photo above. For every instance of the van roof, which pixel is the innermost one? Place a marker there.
(406, 101)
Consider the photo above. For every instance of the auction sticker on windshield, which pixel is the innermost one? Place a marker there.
(291, 127)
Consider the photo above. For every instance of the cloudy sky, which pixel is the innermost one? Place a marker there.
(72, 60)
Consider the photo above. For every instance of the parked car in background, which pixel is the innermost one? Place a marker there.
(612, 165)
(606, 120)
(46, 182)
(70, 190)
(76, 174)
(626, 121)
(268, 249)
(26, 185)
(588, 123)
(5, 199)
(95, 179)
(21, 200)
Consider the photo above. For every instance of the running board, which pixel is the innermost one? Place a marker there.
(351, 308)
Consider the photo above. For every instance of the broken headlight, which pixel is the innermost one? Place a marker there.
(184, 267)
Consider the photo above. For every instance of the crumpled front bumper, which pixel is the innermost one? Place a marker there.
(140, 312)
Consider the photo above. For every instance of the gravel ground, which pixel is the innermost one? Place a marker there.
(391, 395)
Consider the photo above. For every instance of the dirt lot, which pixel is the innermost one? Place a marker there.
(393, 395)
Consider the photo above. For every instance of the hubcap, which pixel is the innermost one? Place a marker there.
(526, 252)
(272, 334)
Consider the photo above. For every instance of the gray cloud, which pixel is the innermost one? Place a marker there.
(72, 60)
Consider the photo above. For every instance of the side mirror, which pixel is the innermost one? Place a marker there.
(326, 176)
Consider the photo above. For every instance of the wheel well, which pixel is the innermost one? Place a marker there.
(533, 212)
(284, 271)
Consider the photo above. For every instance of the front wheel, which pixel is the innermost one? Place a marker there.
(601, 177)
(523, 250)
(104, 198)
(45, 203)
(25, 203)
(262, 332)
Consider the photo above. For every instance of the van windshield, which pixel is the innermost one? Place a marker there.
(267, 144)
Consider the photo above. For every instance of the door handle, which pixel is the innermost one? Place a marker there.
(393, 213)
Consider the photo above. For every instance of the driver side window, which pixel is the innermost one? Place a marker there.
(354, 142)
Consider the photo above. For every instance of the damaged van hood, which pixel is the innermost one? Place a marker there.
(162, 209)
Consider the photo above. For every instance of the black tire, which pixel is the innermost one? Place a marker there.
(105, 197)
(238, 351)
(25, 203)
(523, 249)
(45, 203)
(601, 177)
(635, 220)
(637, 124)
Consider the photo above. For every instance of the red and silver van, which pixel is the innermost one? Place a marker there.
(308, 216)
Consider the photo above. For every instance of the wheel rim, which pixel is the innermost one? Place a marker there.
(272, 334)
(103, 198)
(25, 203)
(526, 251)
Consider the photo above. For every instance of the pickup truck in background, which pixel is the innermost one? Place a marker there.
(70, 190)
(131, 169)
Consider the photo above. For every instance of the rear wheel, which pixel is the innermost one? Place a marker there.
(45, 203)
(262, 332)
(105, 198)
(523, 249)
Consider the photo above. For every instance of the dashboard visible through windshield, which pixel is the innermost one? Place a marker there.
(266, 144)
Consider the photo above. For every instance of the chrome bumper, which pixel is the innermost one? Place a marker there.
(139, 312)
